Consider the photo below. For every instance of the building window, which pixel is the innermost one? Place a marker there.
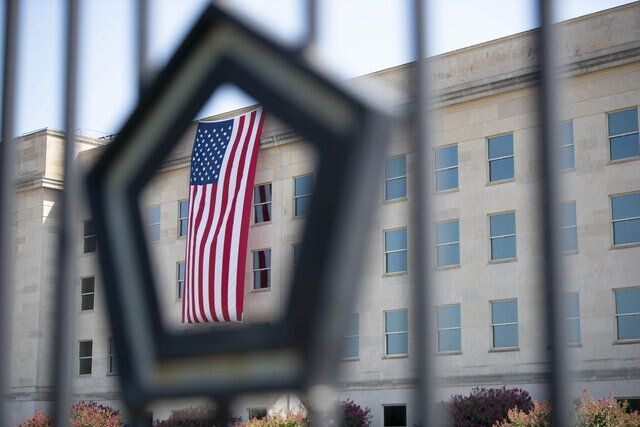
(396, 342)
(568, 227)
(566, 150)
(89, 237)
(395, 175)
(625, 216)
(502, 235)
(303, 189)
(395, 251)
(183, 217)
(395, 415)
(351, 348)
(153, 223)
(449, 329)
(504, 323)
(112, 360)
(85, 354)
(623, 134)
(446, 168)
(262, 269)
(257, 413)
(571, 314)
(628, 314)
(87, 293)
(262, 203)
(500, 152)
(297, 253)
(180, 279)
(448, 243)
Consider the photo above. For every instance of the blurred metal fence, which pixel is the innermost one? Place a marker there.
(420, 118)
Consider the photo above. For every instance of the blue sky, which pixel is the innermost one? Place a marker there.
(355, 37)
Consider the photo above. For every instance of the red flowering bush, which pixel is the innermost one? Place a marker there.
(37, 420)
(353, 415)
(487, 406)
(539, 416)
(83, 414)
(605, 412)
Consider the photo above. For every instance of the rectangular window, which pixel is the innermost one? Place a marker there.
(89, 237)
(395, 415)
(628, 314)
(449, 329)
(625, 213)
(446, 168)
(571, 314)
(257, 413)
(396, 342)
(623, 134)
(395, 175)
(85, 355)
(262, 269)
(568, 227)
(351, 347)
(297, 253)
(153, 223)
(262, 203)
(183, 217)
(502, 235)
(112, 361)
(303, 189)
(395, 251)
(87, 292)
(504, 323)
(566, 147)
(500, 150)
(180, 279)
(448, 243)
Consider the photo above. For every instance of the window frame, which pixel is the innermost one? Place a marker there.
(493, 325)
(82, 294)
(385, 405)
(254, 205)
(385, 252)
(386, 354)
(111, 358)
(610, 137)
(253, 270)
(438, 329)
(489, 160)
(574, 226)
(438, 245)
(567, 318)
(618, 340)
(179, 282)
(90, 358)
(573, 145)
(181, 219)
(436, 169)
(515, 235)
(613, 236)
(86, 237)
(150, 224)
(296, 197)
(396, 178)
(357, 357)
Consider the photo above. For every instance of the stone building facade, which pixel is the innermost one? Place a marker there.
(489, 306)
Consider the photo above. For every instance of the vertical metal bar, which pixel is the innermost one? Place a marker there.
(66, 275)
(142, 45)
(7, 162)
(312, 25)
(423, 185)
(547, 106)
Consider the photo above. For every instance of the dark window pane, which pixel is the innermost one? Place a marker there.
(447, 157)
(181, 271)
(625, 232)
(395, 416)
(623, 147)
(447, 232)
(87, 302)
(395, 321)
(85, 366)
(571, 305)
(502, 224)
(504, 311)
(154, 232)
(262, 213)
(505, 336)
(395, 239)
(262, 259)
(153, 214)
(567, 214)
(567, 157)
(396, 262)
(500, 146)
(183, 227)
(88, 285)
(303, 206)
(85, 349)
(503, 247)
(395, 167)
(397, 344)
(262, 193)
(572, 331)
(261, 279)
(446, 179)
(623, 122)
(303, 185)
(184, 208)
(569, 239)
(350, 349)
(449, 316)
(629, 327)
(89, 244)
(258, 413)
(396, 188)
(626, 206)
(501, 169)
(89, 228)
(449, 340)
(297, 253)
(566, 133)
(448, 255)
(628, 301)
(353, 324)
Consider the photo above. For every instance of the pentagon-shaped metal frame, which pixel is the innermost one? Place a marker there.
(350, 135)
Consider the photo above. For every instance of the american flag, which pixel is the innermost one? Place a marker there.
(223, 166)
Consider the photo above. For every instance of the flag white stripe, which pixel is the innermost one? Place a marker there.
(195, 256)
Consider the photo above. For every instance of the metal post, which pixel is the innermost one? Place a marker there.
(142, 57)
(312, 25)
(7, 162)
(553, 283)
(64, 321)
(423, 185)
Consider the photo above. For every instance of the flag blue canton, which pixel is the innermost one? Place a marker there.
(211, 143)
